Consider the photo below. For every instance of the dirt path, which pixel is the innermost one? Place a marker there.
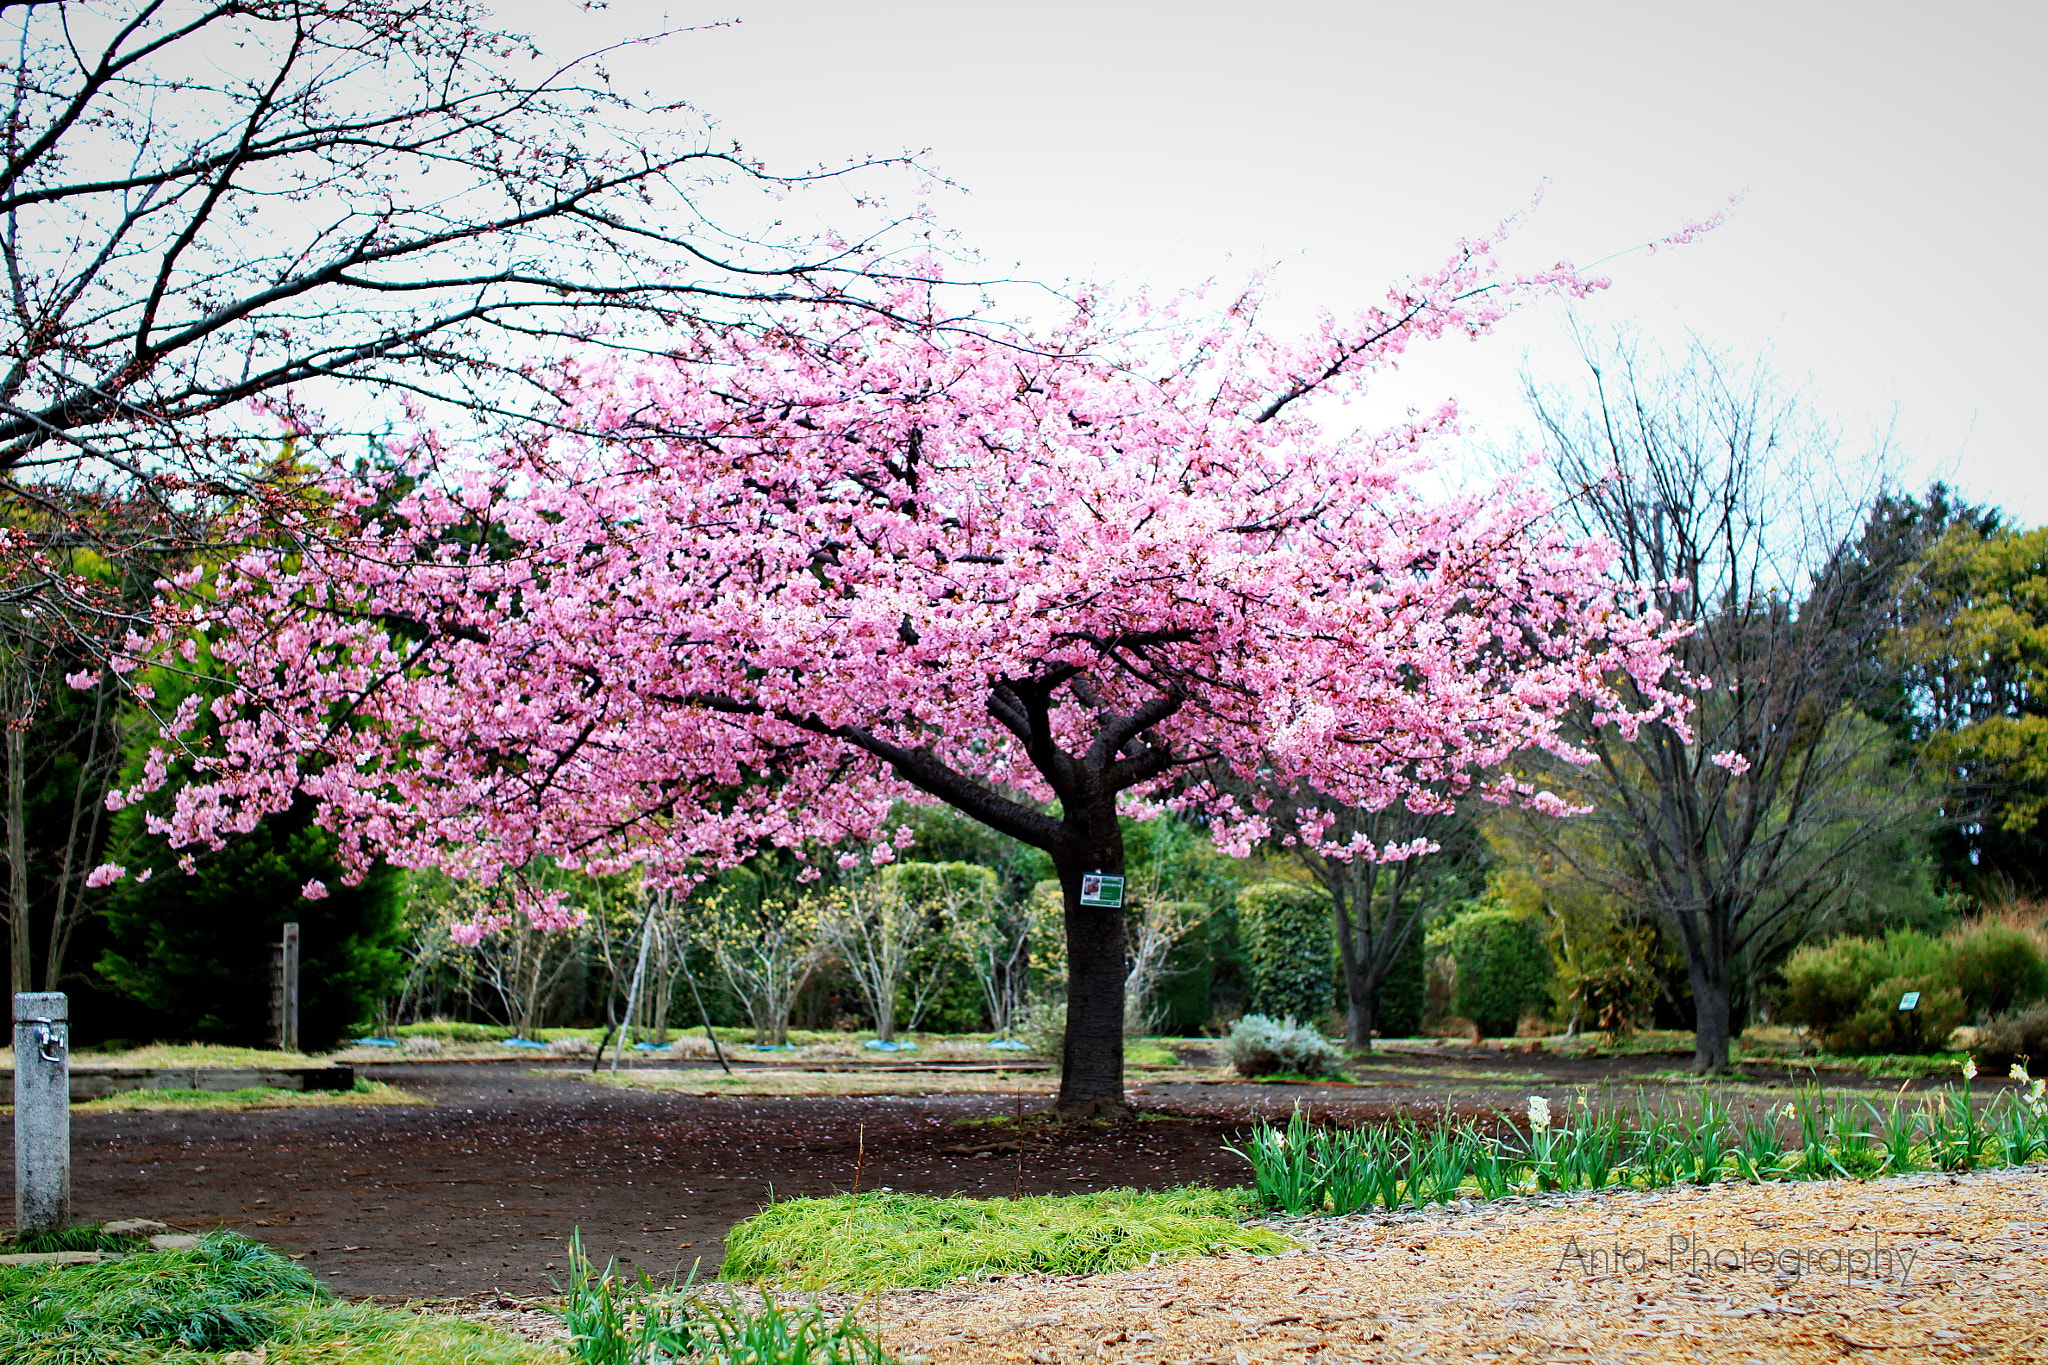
(1936, 1268)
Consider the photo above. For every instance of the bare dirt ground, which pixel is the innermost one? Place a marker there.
(480, 1191)
(1916, 1268)
(477, 1192)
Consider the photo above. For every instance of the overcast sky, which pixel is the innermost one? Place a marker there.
(1889, 156)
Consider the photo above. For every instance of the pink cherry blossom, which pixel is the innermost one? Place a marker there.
(814, 568)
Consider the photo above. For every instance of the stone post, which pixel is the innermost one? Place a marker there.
(42, 1111)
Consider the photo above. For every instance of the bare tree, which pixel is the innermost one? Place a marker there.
(893, 939)
(764, 947)
(1379, 902)
(215, 215)
(1746, 511)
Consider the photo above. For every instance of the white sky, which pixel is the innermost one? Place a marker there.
(1891, 157)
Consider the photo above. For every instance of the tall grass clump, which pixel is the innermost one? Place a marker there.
(636, 1322)
(884, 1239)
(227, 1294)
(1301, 1169)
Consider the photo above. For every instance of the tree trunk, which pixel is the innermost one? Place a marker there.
(1359, 1021)
(1092, 1066)
(1711, 1017)
(1358, 990)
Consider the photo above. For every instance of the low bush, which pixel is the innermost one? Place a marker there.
(451, 1031)
(2020, 1037)
(1042, 1027)
(885, 1240)
(1260, 1046)
(1848, 993)
(1996, 967)
(1880, 1026)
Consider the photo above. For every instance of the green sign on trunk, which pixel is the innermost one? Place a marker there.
(1101, 888)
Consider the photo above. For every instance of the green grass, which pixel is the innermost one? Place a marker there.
(249, 1097)
(613, 1320)
(188, 1054)
(364, 1091)
(1303, 1169)
(78, 1237)
(1890, 1066)
(228, 1294)
(884, 1240)
(363, 1334)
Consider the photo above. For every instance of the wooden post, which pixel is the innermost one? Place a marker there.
(284, 991)
(42, 1112)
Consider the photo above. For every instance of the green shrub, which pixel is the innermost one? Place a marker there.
(1286, 932)
(1042, 1027)
(1398, 1006)
(1848, 993)
(1503, 969)
(1996, 967)
(1606, 976)
(1825, 984)
(884, 1240)
(1879, 1026)
(1259, 1046)
(2020, 1037)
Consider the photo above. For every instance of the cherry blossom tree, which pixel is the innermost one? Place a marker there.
(801, 573)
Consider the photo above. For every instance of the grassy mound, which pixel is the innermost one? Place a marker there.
(225, 1295)
(250, 1097)
(884, 1240)
(228, 1294)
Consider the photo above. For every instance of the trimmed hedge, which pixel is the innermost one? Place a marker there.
(1503, 968)
(1286, 932)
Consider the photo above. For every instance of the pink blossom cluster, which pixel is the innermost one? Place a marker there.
(807, 570)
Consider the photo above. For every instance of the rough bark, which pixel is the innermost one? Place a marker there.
(1712, 1019)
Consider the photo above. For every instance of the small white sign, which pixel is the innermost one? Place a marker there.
(1910, 1000)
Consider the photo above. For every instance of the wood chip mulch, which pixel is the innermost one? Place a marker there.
(1915, 1268)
